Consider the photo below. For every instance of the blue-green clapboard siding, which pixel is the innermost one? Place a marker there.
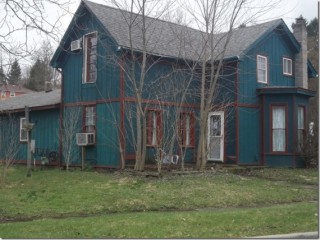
(249, 135)
(230, 135)
(274, 48)
(107, 147)
(107, 84)
(106, 151)
(46, 130)
(280, 161)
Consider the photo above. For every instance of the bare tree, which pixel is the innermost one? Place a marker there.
(67, 135)
(9, 141)
(19, 18)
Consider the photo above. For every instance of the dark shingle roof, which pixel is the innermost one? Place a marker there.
(37, 99)
(170, 39)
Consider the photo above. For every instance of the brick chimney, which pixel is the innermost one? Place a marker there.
(301, 59)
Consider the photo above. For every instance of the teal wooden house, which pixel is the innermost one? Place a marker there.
(259, 116)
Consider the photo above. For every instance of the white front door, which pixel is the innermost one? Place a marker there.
(215, 136)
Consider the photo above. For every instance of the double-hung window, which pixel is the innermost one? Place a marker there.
(186, 129)
(90, 58)
(154, 127)
(90, 118)
(287, 66)
(23, 130)
(301, 127)
(262, 69)
(278, 128)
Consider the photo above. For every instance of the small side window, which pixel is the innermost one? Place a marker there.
(287, 66)
(23, 130)
(262, 69)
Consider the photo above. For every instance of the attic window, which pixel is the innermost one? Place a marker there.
(90, 58)
(262, 69)
(287, 66)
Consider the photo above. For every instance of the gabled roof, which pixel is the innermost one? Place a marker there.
(172, 40)
(32, 100)
(169, 39)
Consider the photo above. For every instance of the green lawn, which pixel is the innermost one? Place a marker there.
(90, 204)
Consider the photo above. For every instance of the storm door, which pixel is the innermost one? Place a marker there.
(215, 136)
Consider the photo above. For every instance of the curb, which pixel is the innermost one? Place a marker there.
(303, 235)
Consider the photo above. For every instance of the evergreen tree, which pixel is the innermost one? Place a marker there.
(2, 77)
(38, 76)
(312, 28)
(15, 73)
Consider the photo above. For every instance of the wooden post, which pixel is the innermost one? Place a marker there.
(29, 141)
(83, 156)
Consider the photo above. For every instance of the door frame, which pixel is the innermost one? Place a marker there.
(221, 114)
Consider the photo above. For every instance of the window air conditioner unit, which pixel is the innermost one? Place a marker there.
(76, 45)
(85, 139)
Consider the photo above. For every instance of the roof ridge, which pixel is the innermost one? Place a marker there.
(177, 24)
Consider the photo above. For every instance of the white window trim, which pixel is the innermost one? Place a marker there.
(288, 61)
(221, 114)
(12, 94)
(265, 81)
(84, 72)
(22, 128)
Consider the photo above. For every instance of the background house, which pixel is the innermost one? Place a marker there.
(9, 90)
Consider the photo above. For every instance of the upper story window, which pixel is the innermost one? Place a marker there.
(23, 130)
(262, 69)
(90, 118)
(186, 129)
(287, 66)
(154, 127)
(90, 58)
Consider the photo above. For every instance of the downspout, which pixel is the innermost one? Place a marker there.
(237, 114)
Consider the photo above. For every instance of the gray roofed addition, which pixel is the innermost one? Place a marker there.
(32, 100)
